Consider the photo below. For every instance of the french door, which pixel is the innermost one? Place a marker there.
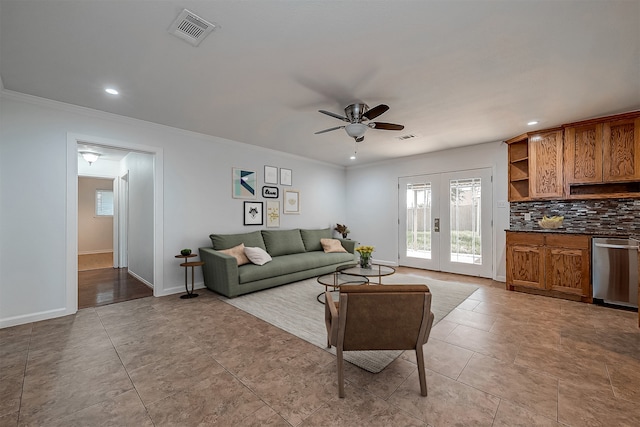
(445, 222)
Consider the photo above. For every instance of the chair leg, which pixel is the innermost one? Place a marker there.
(421, 370)
(340, 372)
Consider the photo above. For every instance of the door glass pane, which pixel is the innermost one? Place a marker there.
(419, 220)
(465, 220)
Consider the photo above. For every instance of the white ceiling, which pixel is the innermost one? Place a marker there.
(453, 72)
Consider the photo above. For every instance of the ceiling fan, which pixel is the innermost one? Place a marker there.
(358, 116)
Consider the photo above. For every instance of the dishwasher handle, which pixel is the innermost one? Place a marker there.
(606, 245)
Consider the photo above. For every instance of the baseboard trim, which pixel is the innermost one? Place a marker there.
(180, 289)
(34, 317)
(101, 251)
(140, 279)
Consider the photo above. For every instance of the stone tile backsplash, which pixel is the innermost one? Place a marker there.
(614, 216)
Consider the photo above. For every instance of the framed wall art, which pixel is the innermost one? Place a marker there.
(291, 202)
(270, 175)
(252, 213)
(285, 176)
(273, 214)
(243, 184)
(270, 192)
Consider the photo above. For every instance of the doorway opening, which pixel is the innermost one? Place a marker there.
(132, 268)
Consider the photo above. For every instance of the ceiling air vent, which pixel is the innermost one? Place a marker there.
(405, 137)
(191, 28)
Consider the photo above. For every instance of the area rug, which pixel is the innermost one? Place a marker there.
(295, 309)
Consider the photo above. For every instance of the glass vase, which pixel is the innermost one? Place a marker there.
(365, 262)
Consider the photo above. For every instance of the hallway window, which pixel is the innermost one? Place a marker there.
(104, 203)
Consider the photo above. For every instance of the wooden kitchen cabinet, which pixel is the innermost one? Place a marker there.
(621, 150)
(583, 154)
(602, 157)
(535, 166)
(568, 264)
(525, 260)
(545, 165)
(591, 159)
(552, 263)
(519, 169)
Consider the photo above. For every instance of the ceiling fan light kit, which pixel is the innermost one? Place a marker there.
(355, 130)
(357, 115)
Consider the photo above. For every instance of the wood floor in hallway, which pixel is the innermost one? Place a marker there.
(108, 286)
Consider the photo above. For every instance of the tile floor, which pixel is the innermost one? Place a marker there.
(500, 359)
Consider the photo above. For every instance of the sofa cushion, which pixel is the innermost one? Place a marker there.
(238, 253)
(332, 245)
(226, 241)
(290, 264)
(258, 256)
(283, 242)
(311, 238)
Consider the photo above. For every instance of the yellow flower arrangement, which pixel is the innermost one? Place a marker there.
(365, 255)
(365, 251)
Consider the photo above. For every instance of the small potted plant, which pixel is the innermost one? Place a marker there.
(185, 252)
(342, 229)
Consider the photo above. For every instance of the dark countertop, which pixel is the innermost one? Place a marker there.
(603, 233)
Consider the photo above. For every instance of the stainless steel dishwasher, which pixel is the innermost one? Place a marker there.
(615, 271)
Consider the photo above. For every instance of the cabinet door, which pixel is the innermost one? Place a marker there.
(545, 165)
(621, 150)
(583, 154)
(567, 270)
(525, 266)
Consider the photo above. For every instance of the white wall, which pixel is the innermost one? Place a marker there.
(372, 196)
(196, 196)
(140, 215)
(95, 234)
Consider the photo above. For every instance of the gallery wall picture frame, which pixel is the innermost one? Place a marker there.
(273, 214)
(243, 184)
(285, 176)
(291, 202)
(253, 213)
(270, 192)
(270, 175)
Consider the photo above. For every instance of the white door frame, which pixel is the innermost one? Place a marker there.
(486, 226)
(440, 248)
(121, 227)
(73, 140)
(432, 263)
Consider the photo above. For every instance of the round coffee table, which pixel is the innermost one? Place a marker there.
(376, 270)
(337, 279)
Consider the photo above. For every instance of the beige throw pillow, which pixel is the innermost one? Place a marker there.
(332, 245)
(238, 253)
(257, 256)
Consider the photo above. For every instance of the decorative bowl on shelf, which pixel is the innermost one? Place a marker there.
(551, 222)
(185, 252)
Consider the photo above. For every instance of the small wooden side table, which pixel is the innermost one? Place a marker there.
(186, 266)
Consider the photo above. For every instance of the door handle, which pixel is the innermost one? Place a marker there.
(436, 225)
(606, 245)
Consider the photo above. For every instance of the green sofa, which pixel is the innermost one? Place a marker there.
(297, 254)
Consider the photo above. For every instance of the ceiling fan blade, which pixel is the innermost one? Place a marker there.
(329, 130)
(337, 116)
(375, 111)
(386, 126)
(360, 139)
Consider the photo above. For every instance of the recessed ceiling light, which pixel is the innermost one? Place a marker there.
(353, 157)
(532, 122)
(111, 91)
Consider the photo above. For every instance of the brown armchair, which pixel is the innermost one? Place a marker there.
(379, 317)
